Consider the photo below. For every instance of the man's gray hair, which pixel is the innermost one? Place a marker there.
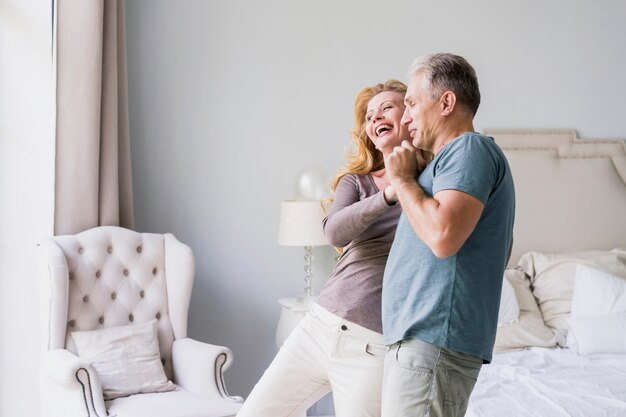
(447, 72)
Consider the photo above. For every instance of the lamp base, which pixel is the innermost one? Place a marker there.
(308, 271)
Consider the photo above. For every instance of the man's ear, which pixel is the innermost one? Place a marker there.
(447, 102)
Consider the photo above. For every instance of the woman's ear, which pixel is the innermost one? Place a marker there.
(447, 102)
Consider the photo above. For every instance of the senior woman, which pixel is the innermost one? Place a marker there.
(338, 345)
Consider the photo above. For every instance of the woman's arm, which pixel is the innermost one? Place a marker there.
(349, 216)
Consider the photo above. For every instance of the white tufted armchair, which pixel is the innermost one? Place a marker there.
(109, 276)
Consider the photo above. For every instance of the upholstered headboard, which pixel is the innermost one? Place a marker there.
(570, 193)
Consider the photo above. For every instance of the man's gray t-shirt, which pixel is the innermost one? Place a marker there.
(453, 302)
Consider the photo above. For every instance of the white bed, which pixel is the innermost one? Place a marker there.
(543, 382)
(571, 211)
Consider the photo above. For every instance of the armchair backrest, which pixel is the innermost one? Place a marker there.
(110, 276)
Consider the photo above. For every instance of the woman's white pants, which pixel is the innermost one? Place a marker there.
(323, 353)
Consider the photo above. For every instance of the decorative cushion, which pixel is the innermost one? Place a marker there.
(126, 359)
(509, 309)
(530, 329)
(600, 334)
(553, 275)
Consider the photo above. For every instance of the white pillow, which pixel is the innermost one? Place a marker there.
(126, 358)
(553, 276)
(530, 329)
(509, 309)
(600, 334)
(597, 293)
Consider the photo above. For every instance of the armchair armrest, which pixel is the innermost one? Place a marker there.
(72, 386)
(198, 368)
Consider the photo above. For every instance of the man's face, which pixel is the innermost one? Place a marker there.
(421, 115)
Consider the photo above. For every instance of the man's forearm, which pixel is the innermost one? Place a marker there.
(422, 213)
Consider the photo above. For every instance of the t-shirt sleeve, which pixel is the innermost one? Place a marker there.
(468, 166)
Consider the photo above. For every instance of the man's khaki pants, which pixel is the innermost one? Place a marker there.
(427, 381)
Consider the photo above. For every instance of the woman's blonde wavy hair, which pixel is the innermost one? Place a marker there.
(365, 158)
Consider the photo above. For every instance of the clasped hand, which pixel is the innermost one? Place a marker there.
(402, 163)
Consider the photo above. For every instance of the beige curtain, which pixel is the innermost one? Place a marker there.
(93, 183)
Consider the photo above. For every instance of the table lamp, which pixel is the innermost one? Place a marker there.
(301, 225)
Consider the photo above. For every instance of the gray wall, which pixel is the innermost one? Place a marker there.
(231, 100)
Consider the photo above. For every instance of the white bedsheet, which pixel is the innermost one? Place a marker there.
(550, 383)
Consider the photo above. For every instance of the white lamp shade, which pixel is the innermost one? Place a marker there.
(301, 224)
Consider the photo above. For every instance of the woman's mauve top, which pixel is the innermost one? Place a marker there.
(360, 221)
